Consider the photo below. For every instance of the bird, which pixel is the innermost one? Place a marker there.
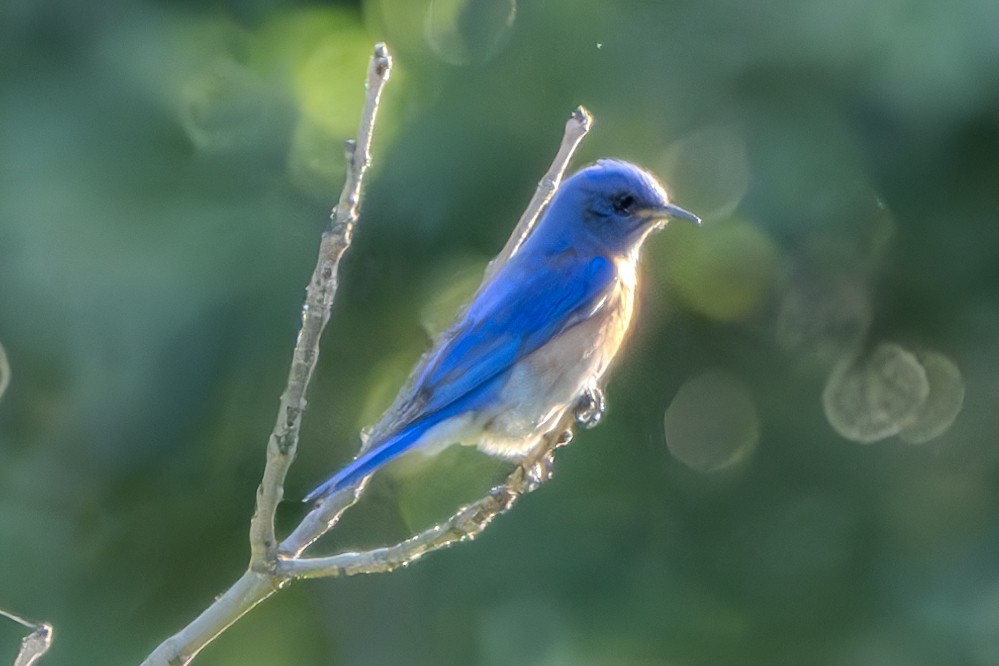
(539, 335)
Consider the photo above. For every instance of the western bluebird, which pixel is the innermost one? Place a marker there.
(539, 336)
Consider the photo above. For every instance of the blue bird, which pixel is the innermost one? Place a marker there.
(540, 334)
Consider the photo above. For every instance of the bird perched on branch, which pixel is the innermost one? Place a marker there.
(540, 333)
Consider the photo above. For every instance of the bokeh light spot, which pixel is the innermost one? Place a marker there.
(710, 169)
(876, 397)
(327, 81)
(712, 422)
(465, 32)
(383, 382)
(448, 290)
(289, 38)
(944, 402)
(221, 102)
(223, 105)
(315, 159)
(723, 269)
(822, 318)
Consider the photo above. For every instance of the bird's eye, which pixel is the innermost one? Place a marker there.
(623, 204)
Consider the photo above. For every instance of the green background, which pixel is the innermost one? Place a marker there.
(165, 172)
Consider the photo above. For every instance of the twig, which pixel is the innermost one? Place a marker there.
(315, 314)
(328, 511)
(576, 127)
(464, 525)
(260, 581)
(272, 565)
(35, 644)
(320, 520)
(324, 516)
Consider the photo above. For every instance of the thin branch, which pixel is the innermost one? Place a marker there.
(272, 565)
(322, 288)
(320, 520)
(327, 511)
(34, 645)
(576, 128)
(467, 523)
(251, 588)
(260, 581)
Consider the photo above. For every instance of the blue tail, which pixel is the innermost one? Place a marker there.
(375, 457)
(403, 441)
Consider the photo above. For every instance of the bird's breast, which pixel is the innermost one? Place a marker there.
(550, 380)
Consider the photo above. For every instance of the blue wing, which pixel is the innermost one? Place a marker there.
(523, 307)
(511, 318)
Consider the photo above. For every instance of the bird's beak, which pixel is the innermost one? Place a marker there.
(672, 211)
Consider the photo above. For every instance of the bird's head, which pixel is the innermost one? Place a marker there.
(612, 204)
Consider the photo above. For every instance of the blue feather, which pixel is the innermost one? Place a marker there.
(563, 275)
(500, 328)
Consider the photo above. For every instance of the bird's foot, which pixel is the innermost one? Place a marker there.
(590, 407)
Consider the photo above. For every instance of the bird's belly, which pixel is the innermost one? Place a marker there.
(549, 381)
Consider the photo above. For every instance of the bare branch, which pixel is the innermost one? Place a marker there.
(315, 314)
(320, 520)
(464, 525)
(251, 588)
(260, 580)
(576, 128)
(273, 565)
(34, 645)
(328, 510)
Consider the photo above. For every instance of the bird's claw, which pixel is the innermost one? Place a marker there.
(590, 407)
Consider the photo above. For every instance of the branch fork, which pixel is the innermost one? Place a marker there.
(275, 563)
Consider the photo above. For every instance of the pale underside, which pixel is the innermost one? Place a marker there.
(548, 382)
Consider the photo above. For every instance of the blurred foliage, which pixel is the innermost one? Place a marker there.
(165, 171)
